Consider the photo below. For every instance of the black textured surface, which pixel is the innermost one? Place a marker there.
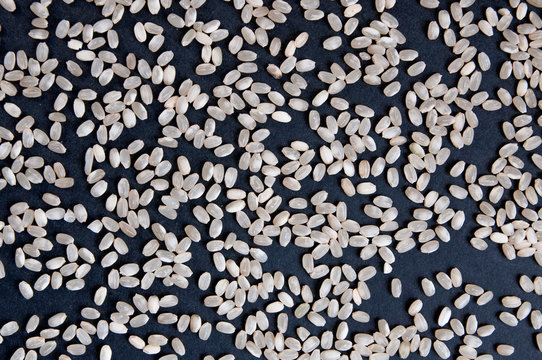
(488, 269)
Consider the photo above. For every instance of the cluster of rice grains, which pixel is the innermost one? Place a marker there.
(245, 186)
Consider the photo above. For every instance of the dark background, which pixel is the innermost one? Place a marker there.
(488, 269)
